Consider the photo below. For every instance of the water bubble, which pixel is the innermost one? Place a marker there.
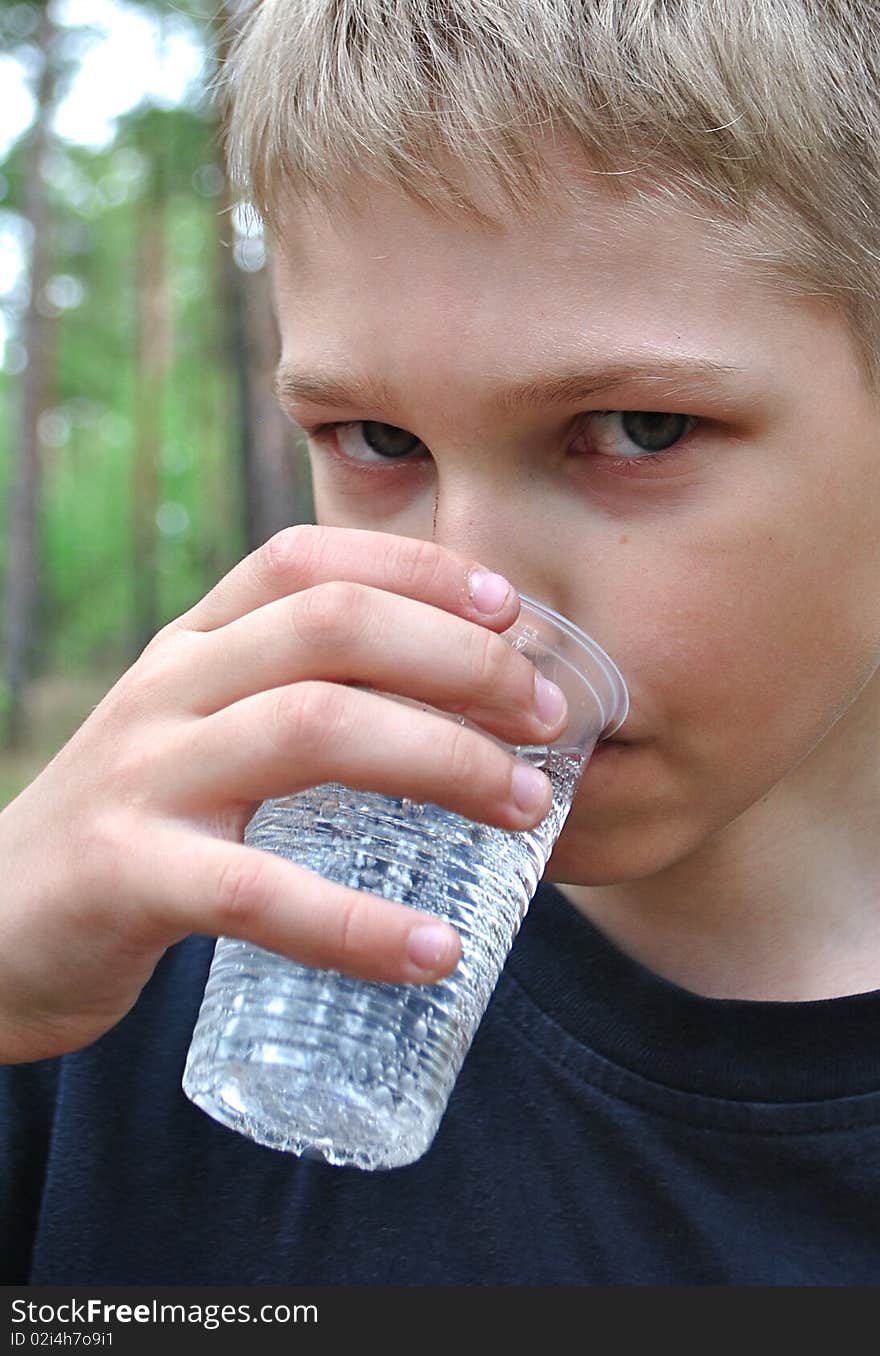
(414, 809)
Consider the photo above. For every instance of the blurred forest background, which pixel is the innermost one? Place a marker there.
(141, 450)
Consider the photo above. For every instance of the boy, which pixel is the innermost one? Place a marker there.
(580, 296)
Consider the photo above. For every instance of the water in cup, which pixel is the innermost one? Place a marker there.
(393, 1051)
(358, 1072)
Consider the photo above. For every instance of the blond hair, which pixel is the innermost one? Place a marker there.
(763, 114)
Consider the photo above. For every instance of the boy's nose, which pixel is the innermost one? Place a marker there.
(500, 524)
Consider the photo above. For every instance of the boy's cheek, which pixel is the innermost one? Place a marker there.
(733, 679)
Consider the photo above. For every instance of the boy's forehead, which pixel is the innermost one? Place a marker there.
(594, 274)
(390, 240)
(641, 271)
(583, 229)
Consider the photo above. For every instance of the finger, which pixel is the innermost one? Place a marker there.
(302, 556)
(345, 632)
(189, 882)
(279, 742)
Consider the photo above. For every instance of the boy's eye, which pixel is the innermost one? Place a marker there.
(635, 434)
(367, 441)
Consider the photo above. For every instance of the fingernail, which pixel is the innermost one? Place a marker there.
(430, 946)
(488, 591)
(530, 787)
(549, 701)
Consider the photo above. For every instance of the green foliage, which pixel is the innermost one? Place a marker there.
(100, 201)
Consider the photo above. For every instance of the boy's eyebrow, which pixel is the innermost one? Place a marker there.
(675, 373)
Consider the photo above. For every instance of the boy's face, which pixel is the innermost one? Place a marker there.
(734, 579)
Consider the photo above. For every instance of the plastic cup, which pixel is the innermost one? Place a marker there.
(356, 1072)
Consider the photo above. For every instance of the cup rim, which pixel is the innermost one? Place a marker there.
(618, 689)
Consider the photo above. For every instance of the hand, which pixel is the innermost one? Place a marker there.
(131, 838)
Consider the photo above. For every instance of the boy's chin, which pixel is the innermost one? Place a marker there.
(601, 869)
(617, 853)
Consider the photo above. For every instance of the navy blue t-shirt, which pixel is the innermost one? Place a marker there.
(608, 1127)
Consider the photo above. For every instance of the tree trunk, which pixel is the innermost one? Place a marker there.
(22, 565)
(153, 354)
(280, 489)
(234, 352)
(276, 489)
